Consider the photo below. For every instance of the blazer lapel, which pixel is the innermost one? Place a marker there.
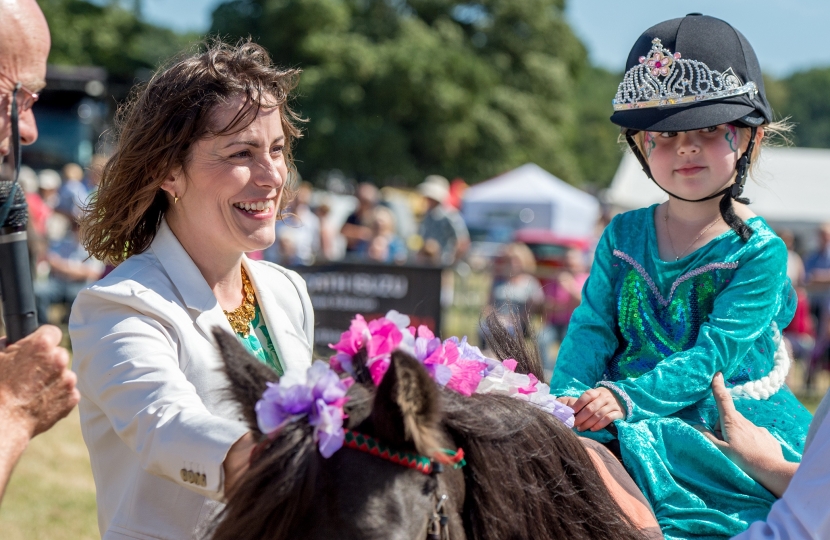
(293, 348)
(188, 281)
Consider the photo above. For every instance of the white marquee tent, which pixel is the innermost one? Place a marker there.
(530, 197)
(791, 186)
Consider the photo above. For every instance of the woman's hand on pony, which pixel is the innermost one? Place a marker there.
(595, 409)
(750, 447)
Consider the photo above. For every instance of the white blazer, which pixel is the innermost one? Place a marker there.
(154, 414)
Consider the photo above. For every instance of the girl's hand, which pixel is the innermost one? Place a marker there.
(596, 408)
(567, 400)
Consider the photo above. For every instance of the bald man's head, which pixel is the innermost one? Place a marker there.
(24, 48)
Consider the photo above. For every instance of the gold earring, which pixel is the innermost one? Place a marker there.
(175, 199)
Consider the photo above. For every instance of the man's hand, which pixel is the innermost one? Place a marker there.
(36, 387)
(595, 409)
(750, 447)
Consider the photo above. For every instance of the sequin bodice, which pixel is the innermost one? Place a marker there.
(653, 327)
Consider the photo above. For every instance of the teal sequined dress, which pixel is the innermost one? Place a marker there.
(655, 333)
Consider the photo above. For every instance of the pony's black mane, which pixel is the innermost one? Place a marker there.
(527, 475)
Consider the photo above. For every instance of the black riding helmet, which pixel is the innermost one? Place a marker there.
(692, 73)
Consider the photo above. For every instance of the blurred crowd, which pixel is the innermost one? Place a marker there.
(541, 279)
(809, 332)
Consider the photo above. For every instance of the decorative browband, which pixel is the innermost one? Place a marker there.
(663, 79)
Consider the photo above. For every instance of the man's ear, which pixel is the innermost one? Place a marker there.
(406, 409)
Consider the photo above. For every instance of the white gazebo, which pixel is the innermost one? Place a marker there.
(529, 197)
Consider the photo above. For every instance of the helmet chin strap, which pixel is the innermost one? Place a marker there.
(727, 194)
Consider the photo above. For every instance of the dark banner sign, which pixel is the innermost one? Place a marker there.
(340, 291)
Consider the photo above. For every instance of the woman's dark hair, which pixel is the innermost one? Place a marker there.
(159, 124)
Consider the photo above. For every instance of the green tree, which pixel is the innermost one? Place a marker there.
(397, 88)
(110, 36)
(804, 99)
(594, 139)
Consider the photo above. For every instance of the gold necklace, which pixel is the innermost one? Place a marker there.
(240, 318)
(671, 242)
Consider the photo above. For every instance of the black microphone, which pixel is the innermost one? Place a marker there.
(16, 287)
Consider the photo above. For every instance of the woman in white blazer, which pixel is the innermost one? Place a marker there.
(197, 180)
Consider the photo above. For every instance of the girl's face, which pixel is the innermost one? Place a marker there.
(694, 164)
(231, 187)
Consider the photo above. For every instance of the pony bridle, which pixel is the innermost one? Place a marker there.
(437, 528)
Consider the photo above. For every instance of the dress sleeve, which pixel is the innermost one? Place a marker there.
(741, 314)
(127, 365)
(591, 339)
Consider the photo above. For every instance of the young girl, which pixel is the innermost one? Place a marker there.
(683, 290)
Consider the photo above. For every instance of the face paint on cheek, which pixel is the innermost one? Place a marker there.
(649, 143)
(731, 137)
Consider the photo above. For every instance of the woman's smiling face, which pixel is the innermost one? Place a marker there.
(231, 187)
(694, 164)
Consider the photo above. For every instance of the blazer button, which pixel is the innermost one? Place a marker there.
(183, 474)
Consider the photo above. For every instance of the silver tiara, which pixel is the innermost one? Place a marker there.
(663, 79)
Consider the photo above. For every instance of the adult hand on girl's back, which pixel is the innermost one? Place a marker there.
(750, 447)
(595, 409)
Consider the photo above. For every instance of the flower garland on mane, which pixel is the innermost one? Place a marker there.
(320, 393)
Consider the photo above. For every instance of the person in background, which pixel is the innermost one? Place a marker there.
(39, 211)
(444, 234)
(49, 183)
(70, 270)
(36, 387)
(358, 227)
(305, 230)
(93, 172)
(73, 194)
(817, 271)
(801, 332)
(385, 246)
(515, 288)
(286, 248)
(562, 296)
(328, 235)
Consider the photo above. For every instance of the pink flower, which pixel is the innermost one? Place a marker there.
(466, 374)
(659, 63)
(385, 338)
(378, 368)
(353, 339)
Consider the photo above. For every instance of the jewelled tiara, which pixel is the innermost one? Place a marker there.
(663, 79)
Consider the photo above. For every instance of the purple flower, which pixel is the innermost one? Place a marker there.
(319, 396)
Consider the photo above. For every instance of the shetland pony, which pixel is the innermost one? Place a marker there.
(527, 475)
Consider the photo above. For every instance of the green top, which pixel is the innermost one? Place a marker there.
(260, 345)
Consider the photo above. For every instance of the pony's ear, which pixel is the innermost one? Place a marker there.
(406, 407)
(246, 374)
(361, 371)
